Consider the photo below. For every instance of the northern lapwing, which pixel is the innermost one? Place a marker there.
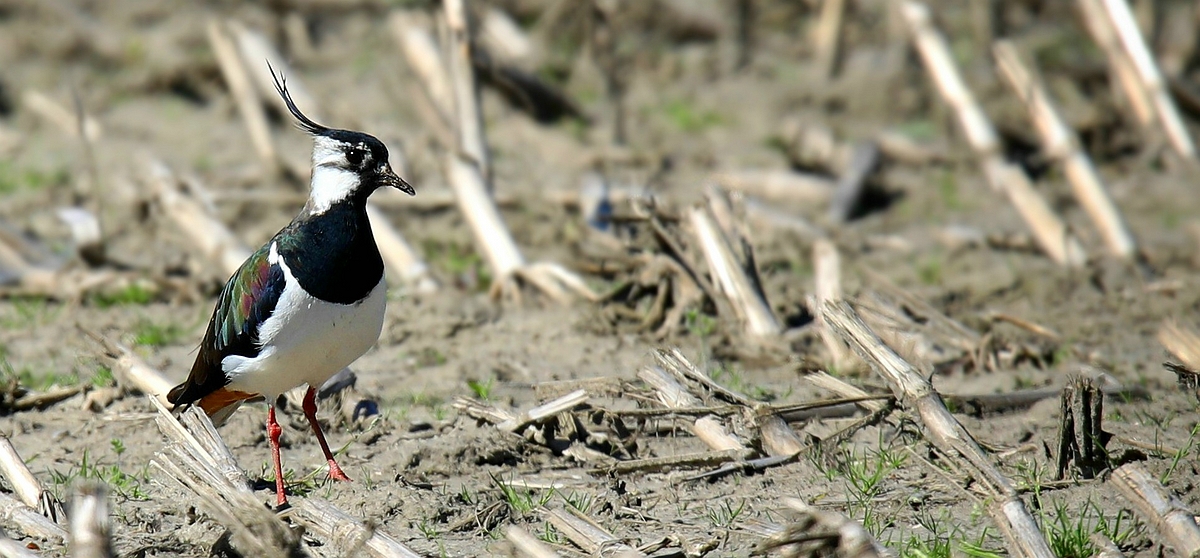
(306, 304)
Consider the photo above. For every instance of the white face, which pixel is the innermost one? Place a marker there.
(332, 181)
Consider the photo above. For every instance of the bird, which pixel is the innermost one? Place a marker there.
(307, 303)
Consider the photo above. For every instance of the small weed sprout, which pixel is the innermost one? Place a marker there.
(723, 515)
(1121, 529)
(522, 500)
(37, 380)
(122, 483)
(1068, 534)
(1181, 454)
(735, 380)
(684, 115)
(550, 534)
(1031, 476)
(296, 484)
(150, 334)
(466, 266)
(103, 377)
(466, 496)
(864, 475)
(134, 294)
(930, 271)
(29, 312)
(1069, 531)
(428, 530)
(699, 323)
(977, 550)
(482, 389)
(581, 501)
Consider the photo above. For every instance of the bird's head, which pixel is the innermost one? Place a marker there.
(347, 165)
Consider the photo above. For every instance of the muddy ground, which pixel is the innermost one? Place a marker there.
(149, 79)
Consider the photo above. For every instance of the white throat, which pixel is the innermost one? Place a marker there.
(330, 185)
(330, 182)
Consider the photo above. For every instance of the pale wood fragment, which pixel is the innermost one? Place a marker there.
(255, 52)
(212, 239)
(504, 38)
(466, 167)
(1182, 342)
(1149, 76)
(821, 529)
(91, 526)
(942, 429)
(421, 52)
(671, 394)
(829, 383)
(935, 54)
(1052, 234)
(199, 460)
(482, 411)
(778, 185)
(66, 120)
(467, 110)
(28, 489)
(852, 183)
(401, 259)
(131, 371)
(778, 438)
(544, 411)
(590, 536)
(679, 365)
(200, 463)
(827, 36)
(528, 544)
(815, 146)
(44, 399)
(13, 549)
(491, 234)
(1032, 327)
(897, 146)
(730, 278)
(1159, 508)
(1061, 144)
(827, 275)
(86, 233)
(1125, 79)
(29, 522)
(241, 87)
(345, 535)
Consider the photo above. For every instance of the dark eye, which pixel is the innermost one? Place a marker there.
(354, 157)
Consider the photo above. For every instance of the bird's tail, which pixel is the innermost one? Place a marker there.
(219, 404)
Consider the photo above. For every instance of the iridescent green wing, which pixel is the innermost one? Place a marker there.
(248, 299)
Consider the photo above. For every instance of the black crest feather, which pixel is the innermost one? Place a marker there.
(303, 122)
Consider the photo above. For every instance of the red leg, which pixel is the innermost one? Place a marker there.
(310, 411)
(273, 432)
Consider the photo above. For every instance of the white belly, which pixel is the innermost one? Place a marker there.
(307, 340)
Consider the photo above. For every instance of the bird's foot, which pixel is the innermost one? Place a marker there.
(335, 472)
